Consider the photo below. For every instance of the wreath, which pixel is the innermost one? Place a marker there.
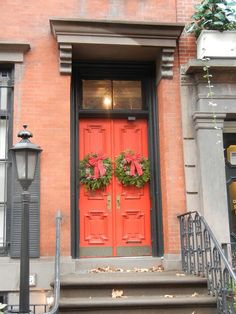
(95, 171)
(132, 169)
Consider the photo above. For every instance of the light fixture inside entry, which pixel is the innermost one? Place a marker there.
(107, 102)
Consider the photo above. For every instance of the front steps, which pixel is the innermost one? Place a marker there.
(141, 292)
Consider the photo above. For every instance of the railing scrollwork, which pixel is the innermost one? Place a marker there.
(203, 256)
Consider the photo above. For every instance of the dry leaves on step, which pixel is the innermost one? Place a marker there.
(158, 268)
(195, 294)
(107, 269)
(115, 294)
(169, 296)
(140, 270)
(180, 274)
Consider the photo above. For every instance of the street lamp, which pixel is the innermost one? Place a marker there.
(25, 157)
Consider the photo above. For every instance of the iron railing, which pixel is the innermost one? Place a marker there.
(34, 308)
(44, 308)
(230, 253)
(203, 256)
(55, 306)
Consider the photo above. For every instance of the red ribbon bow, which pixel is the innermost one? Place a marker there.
(96, 162)
(135, 160)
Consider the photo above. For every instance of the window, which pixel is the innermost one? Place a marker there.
(5, 130)
(112, 94)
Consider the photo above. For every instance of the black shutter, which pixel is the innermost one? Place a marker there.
(34, 218)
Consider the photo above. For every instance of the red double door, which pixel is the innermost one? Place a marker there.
(114, 221)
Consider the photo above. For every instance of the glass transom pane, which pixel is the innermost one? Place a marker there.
(97, 94)
(127, 95)
(108, 94)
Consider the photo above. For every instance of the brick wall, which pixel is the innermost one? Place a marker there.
(42, 100)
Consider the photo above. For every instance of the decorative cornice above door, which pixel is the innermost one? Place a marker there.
(116, 40)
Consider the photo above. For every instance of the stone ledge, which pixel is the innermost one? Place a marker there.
(196, 66)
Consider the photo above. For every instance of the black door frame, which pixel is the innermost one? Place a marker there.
(118, 70)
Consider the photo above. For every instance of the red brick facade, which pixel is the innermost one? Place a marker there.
(42, 100)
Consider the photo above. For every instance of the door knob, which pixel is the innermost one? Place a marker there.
(117, 201)
(109, 201)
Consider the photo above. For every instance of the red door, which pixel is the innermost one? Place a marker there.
(114, 221)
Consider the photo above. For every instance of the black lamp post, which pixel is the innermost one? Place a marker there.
(25, 156)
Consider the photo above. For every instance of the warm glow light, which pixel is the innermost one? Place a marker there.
(107, 102)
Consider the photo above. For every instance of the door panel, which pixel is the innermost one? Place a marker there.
(116, 220)
(95, 216)
(133, 204)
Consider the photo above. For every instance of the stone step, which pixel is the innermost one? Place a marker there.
(184, 304)
(132, 284)
(173, 262)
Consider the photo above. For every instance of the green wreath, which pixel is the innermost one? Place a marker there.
(95, 171)
(132, 169)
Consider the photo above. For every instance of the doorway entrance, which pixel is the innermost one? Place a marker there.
(114, 109)
(114, 221)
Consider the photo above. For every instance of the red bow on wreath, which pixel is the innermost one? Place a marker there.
(135, 160)
(96, 162)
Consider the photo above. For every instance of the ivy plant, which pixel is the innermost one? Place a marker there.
(213, 15)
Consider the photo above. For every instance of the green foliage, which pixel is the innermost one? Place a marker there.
(2, 307)
(86, 174)
(213, 15)
(122, 171)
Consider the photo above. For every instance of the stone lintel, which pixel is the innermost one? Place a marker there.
(208, 120)
(139, 40)
(12, 52)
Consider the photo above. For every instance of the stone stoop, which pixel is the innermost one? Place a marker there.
(164, 292)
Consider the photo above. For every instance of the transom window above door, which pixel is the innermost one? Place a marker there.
(112, 94)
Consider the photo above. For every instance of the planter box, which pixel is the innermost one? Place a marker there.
(215, 44)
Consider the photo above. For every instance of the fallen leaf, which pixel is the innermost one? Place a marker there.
(117, 293)
(180, 274)
(159, 268)
(195, 294)
(170, 296)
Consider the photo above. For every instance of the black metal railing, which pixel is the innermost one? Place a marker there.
(230, 253)
(203, 256)
(55, 306)
(34, 308)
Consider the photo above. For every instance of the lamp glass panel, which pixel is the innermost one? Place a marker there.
(127, 95)
(3, 98)
(97, 94)
(3, 142)
(2, 224)
(21, 164)
(32, 159)
(2, 181)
